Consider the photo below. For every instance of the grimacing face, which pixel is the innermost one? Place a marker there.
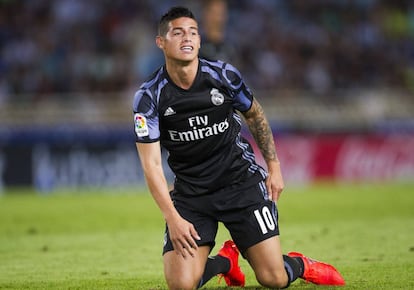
(182, 41)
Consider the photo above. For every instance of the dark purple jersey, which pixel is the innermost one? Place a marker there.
(199, 127)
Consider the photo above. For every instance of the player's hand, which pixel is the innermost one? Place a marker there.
(274, 181)
(183, 236)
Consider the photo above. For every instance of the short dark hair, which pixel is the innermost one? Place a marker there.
(173, 13)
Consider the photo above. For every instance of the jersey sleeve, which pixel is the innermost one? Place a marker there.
(242, 95)
(146, 119)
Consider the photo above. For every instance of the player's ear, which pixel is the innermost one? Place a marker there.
(159, 42)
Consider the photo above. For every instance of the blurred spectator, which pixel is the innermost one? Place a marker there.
(63, 46)
(214, 44)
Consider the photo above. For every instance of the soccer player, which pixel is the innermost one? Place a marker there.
(190, 107)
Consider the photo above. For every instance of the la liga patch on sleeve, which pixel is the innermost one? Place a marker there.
(141, 126)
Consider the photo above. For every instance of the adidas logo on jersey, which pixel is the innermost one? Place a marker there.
(170, 111)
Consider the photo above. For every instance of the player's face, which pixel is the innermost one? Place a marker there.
(182, 41)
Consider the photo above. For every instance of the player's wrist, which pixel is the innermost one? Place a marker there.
(273, 165)
(171, 216)
(273, 162)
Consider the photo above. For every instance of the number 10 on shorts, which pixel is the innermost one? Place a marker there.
(265, 219)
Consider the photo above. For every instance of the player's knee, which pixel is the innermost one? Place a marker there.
(178, 283)
(273, 279)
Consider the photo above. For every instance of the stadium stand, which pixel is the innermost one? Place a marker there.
(322, 66)
(49, 47)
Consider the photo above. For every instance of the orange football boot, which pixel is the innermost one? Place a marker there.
(318, 272)
(235, 276)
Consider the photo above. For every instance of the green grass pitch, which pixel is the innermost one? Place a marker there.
(104, 240)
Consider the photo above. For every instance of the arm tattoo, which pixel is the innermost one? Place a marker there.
(261, 131)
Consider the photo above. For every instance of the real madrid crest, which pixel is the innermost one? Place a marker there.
(217, 98)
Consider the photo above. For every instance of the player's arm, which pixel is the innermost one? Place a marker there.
(262, 133)
(182, 233)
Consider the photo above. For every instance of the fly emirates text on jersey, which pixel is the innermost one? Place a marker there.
(200, 129)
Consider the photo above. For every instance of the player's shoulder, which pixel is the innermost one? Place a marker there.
(153, 80)
(217, 65)
(151, 85)
(221, 71)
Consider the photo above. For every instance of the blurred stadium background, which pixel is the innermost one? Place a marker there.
(336, 78)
